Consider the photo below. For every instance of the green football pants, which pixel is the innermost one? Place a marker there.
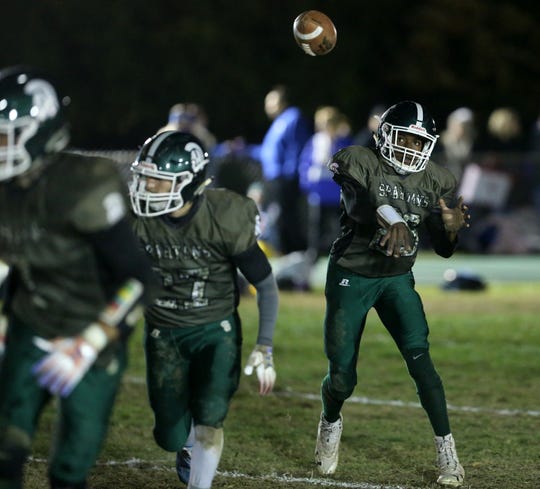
(192, 374)
(349, 297)
(83, 415)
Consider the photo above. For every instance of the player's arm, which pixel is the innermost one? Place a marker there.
(254, 265)
(7, 292)
(349, 167)
(9, 285)
(443, 225)
(442, 243)
(119, 253)
(69, 358)
(454, 218)
(398, 239)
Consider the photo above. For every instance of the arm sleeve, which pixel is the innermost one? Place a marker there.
(254, 265)
(349, 167)
(354, 198)
(267, 302)
(440, 241)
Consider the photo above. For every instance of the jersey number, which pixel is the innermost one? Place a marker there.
(197, 276)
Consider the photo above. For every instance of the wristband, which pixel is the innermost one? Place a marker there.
(95, 336)
(122, 303)
(389, 215)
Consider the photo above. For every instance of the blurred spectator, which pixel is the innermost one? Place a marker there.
(364, 137)
(235, 165)
(534, 164)
(190, 117)
(332, 132)
(457, 141)
(279, 154)
(506, 152)
(516, 231)
(237, 146)
(500, 190)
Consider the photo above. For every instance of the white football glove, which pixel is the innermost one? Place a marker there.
(262, 361)
(68, 359)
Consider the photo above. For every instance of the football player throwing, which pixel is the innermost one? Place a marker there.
(385, 195)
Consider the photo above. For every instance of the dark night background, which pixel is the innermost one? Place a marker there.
(125, 62)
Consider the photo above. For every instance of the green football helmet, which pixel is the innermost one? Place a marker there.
(178, 157)
(32, 121)
(412, 118)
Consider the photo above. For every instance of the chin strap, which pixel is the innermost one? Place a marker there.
(202, 187)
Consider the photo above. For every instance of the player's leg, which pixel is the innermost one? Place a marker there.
(347, 303)
(168, 369)
(206, 455)
(216, 374)
(84, 420)
(21, 402)
(401, 311)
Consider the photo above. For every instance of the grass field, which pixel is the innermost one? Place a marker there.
(486, 346)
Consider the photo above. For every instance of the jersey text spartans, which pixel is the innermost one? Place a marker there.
(193, 258)
(368, 182)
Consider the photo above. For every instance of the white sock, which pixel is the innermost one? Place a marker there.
(205, 456)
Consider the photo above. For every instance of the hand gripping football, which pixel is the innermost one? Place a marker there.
(315, 33)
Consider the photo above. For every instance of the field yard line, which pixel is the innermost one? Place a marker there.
(396, 403)
(135, 462)
(309, 480)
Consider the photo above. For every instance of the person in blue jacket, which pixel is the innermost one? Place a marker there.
(279, 155)
(332, 132)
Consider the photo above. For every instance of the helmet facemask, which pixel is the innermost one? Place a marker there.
(149, 204)
(406, 119)
(404, 159)
(31, 121)
(14, 157)
(185, 162)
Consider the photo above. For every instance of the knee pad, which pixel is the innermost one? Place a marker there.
(14, 449)
(421, 369)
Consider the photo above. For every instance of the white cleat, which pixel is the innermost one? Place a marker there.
(450, 470)
(327, 448)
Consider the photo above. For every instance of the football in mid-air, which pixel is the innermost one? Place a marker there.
(314, 32)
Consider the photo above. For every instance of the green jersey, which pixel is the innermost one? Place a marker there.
(368, 182)
(193, 258)
(59, 289)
